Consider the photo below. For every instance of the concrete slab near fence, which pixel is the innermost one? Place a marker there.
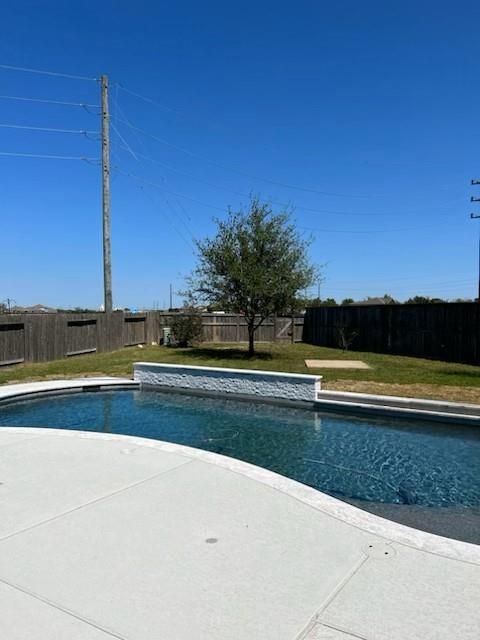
(336, 364)
(244, 382)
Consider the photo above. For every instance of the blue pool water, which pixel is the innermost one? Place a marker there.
(364, 460)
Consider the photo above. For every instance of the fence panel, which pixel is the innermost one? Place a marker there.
(135, 330)
(443, 331)
(81, 336)
(12, 343)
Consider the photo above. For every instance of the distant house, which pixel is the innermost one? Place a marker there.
(374, 301)
(36, 308)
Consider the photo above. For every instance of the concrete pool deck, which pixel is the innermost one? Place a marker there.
(105, 536)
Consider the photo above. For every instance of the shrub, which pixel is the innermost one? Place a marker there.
(346, 337)
(187, 328)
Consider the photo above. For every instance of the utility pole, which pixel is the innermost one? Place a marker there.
(475, 216)
(171, 298)
(8, 305)
(107, 254)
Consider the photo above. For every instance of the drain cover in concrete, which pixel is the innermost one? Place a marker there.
(336, 364)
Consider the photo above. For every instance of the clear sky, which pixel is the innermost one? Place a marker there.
(364, 116)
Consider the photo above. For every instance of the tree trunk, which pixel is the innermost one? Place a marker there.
(251, 337)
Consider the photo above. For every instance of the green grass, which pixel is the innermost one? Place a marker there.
(385, 368)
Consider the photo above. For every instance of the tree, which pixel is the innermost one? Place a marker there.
(348, 301)
(255, 265)
(329, 302)
(423, 300)
(346, 336)
(313, 302)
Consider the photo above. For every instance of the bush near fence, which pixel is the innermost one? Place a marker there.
(444, 331)
(31, 337)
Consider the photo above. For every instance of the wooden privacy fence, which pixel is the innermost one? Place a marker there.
(444, 331)
(52, 336)
(233, 328)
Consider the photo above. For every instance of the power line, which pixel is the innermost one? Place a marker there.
(119, 110)
(182, 173)
(246, 195)
(242, 194)
(180, 217)
(50, 157)
(124, 120)
(161, 188)
(175, 111)
(183, 209)
(127, 146)
(10, 67)
(353, 231)
(156, 186)
(212, 206)
(174, 193)
(234, 170)
(164, 210)
(145, 99)
(48, 129)
(45, 101)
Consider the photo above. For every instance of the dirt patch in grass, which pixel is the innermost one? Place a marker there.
(432, 391)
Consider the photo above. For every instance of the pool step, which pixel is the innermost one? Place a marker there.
(408, 407)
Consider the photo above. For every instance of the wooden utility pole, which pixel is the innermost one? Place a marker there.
(107, 255)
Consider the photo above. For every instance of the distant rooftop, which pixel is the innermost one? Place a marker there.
(373, 301)
(36, 308)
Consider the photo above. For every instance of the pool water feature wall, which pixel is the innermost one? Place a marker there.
(244, 382)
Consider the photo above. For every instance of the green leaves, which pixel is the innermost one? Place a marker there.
(255, 265)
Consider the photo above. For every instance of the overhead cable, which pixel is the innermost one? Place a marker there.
(47, 156)
(45, 73)
(234, 170)
(46, 101)
(48, 129)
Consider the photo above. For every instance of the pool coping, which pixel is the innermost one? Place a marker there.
(399, 407)
(53, 387)
(409, 536)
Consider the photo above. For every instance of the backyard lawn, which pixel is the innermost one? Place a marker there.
(395, 375)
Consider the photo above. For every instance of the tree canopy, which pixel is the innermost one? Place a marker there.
(255, 265)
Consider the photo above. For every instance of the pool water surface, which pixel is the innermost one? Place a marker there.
(361, 459)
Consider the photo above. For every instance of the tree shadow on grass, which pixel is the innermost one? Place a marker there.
(204, 353)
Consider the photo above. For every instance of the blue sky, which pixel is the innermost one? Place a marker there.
(370, 110)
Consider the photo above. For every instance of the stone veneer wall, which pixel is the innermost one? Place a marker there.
(265, 384)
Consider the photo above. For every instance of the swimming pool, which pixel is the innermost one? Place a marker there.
(370, 462)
